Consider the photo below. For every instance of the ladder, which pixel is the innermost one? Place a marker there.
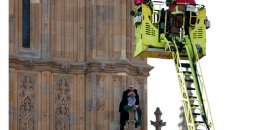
(193, 92)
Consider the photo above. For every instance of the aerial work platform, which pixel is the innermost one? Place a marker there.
(156, 28)
(173, 30)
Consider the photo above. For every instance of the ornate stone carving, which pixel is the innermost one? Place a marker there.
(158, 123)
(140, 70)
(102, 66)
(26, 108)
(182, 122)
(28, 64)
(63, 105)
(65, 67)
(85, 68)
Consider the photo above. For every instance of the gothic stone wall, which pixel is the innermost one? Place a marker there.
(79, 62)
(52, 101)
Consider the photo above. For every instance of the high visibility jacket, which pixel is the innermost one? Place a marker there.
(186, 1)
(138, 2)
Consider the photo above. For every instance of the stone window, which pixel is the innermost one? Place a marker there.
(26, 24)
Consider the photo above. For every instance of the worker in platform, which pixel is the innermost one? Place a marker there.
(181, 4)
(124, 114)
(177, 20)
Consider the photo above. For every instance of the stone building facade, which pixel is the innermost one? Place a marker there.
(69, 62)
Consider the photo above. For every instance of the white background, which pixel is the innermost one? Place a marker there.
(235, 68)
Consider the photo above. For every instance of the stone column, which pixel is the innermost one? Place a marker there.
(158, 123)
(130, 125)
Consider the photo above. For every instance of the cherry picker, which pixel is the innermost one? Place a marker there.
(177, 30)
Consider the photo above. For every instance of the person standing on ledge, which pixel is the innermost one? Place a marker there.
(124, 114)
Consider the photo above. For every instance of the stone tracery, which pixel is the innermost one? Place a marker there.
(63, 105)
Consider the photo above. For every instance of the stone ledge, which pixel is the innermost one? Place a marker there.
(80, 67)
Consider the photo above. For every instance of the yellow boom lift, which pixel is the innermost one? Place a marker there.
(177, 31)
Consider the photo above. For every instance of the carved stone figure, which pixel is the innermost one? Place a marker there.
(65, 67)
(28, 64)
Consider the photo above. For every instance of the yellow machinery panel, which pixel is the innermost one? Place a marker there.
(151, 42)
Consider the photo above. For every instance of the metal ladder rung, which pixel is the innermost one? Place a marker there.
(192, 97)
(185, 65)
(187, 73)
(189, 88)
(199, 122)
(189, 80)
(196, 114)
